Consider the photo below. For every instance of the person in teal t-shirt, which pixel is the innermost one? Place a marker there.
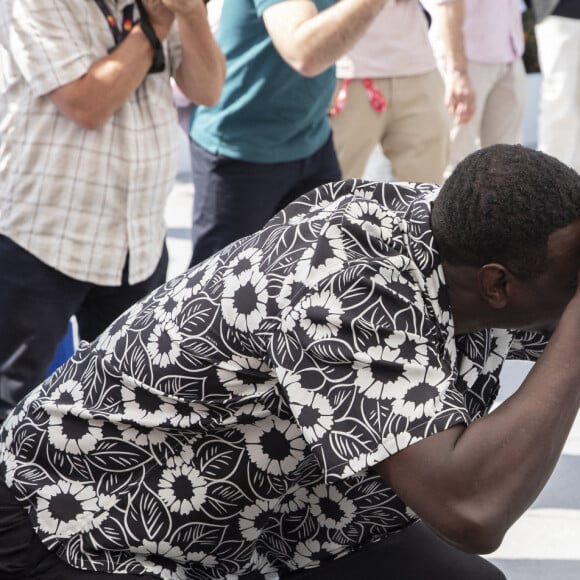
(268, 139)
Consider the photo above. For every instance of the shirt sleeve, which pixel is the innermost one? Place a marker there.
(261, 5)
(527, 345)
(51, 42)
(364, 369)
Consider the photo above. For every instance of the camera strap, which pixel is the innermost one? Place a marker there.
(118, 32)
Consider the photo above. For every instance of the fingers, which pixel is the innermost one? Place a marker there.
(461, 102)
(160, 16)
(462, 109)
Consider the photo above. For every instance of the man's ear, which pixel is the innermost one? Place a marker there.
(493, 280)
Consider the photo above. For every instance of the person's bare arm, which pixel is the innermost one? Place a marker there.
(201, 73)
(93, 98)
(311, 41)
(460, 98)
(470, 484)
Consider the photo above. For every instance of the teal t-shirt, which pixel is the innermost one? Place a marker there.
(268, 113)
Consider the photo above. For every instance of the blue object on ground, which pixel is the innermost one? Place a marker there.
(66, 347)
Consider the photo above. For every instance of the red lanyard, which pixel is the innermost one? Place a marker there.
(375, 96)
(340, 100)
(119, 33)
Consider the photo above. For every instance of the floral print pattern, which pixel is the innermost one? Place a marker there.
(228, 423)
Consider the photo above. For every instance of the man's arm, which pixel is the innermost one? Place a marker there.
(459, 98)
(311, 41)
(91, 99)
(470, 484)
(202, 71)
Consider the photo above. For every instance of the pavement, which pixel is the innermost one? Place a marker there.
(545, 543)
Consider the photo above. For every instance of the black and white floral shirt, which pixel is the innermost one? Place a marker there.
(229, 423)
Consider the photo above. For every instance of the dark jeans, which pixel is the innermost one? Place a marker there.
(36, 304)
(412, 554)
(236, 198)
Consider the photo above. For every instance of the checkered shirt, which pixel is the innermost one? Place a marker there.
(77, 199)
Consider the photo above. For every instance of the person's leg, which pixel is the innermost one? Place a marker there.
(19, 548)
(314, 171)
(103, 304)
(415, 553)
(504, 107)
(36, 303)
(558, 40)
(356, 130)
(234, 198)
(24, 557)
(417, 139)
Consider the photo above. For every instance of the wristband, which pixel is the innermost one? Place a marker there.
(158, 64)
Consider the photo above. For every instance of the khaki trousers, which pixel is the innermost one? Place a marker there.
(559, 55)
(413, 131)
(500, 93)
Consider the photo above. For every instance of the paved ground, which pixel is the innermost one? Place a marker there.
(545, 543)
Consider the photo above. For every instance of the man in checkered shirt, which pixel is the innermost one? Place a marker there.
(88, 155)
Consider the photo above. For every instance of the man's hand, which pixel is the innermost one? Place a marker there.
(459, 97)
(161, 16)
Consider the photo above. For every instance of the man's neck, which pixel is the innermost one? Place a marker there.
(467, 307)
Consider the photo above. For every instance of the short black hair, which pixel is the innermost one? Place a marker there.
(501, 204)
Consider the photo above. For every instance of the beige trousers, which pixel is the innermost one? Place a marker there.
(559, 122)
(500, 94)
(413, 131)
